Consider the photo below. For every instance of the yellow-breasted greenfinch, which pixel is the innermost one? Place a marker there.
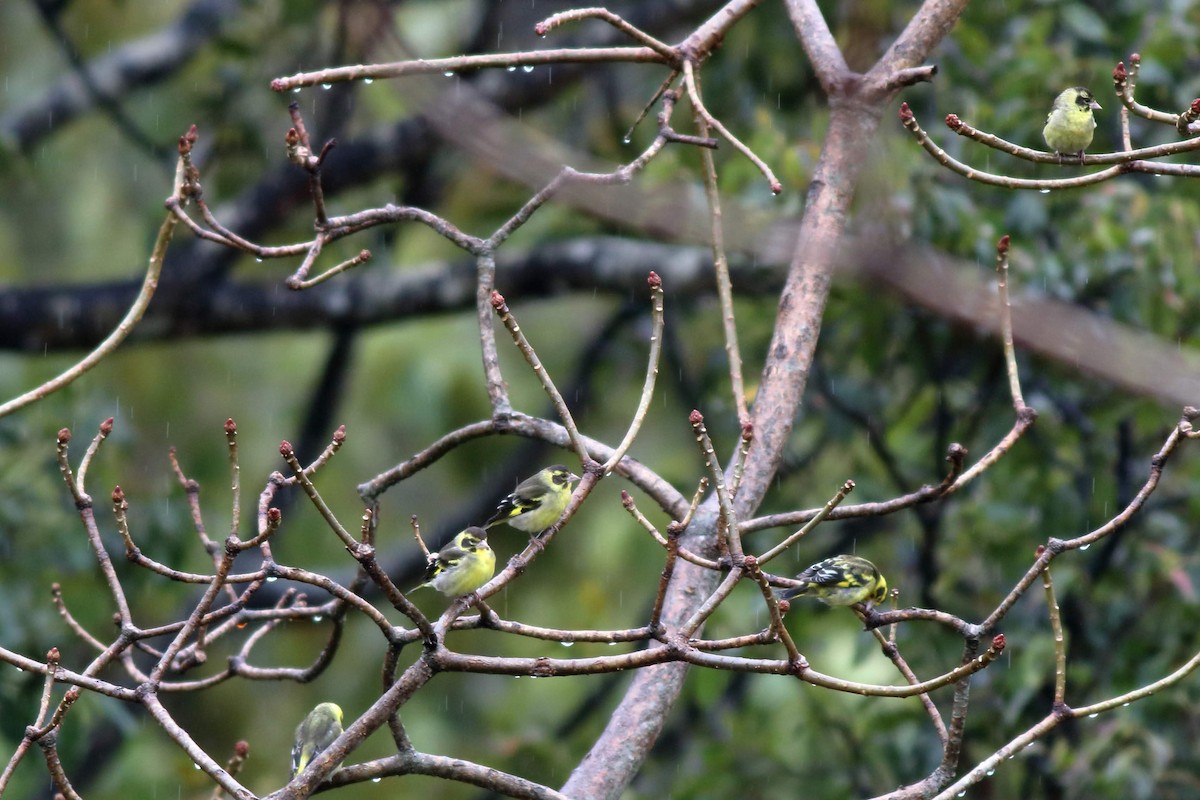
(1070, 123)
(537, 502)
(841, 581)
(318, 730)
(462, 566)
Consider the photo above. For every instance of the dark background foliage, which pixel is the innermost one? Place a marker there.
(898, 378)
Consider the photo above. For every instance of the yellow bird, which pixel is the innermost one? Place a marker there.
(462, 566)
(537, 502)
(1070, 123)
(841, 581)
(318, 730)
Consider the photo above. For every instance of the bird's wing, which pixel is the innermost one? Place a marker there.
(821, 574)
(432, 568)
(512, 506)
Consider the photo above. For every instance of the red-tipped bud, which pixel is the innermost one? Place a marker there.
(1135, 59)
(776, 187)
(999, 643)
(497, 300)
(241, 749)
(1119, 71)
(953, 122)
(292, 137)
(339, 435)
(626, 499)
(751, 562)
(1195, 106)
(277, 85)
(654, 280)
(285, 449)
(274, 515)
(906, 114)
(118, 495)
(230, 427)
(106, 426)
(52, 655)
(188, 140)
(696, 418)
(64, 435)
(1041, 548)
(747, 431)
(1002, 245)
(541, 29)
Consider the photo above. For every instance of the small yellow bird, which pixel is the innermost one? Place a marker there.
(318, 730)
(462, 566)
(537, 502)
(841, 581)
(1070, 123)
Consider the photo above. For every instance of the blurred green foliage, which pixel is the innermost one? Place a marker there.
(893, 387)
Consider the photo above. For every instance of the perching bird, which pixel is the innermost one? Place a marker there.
(1070, 123)
(462, 566)
(537, 502)
(318, 730)
(841, 581)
